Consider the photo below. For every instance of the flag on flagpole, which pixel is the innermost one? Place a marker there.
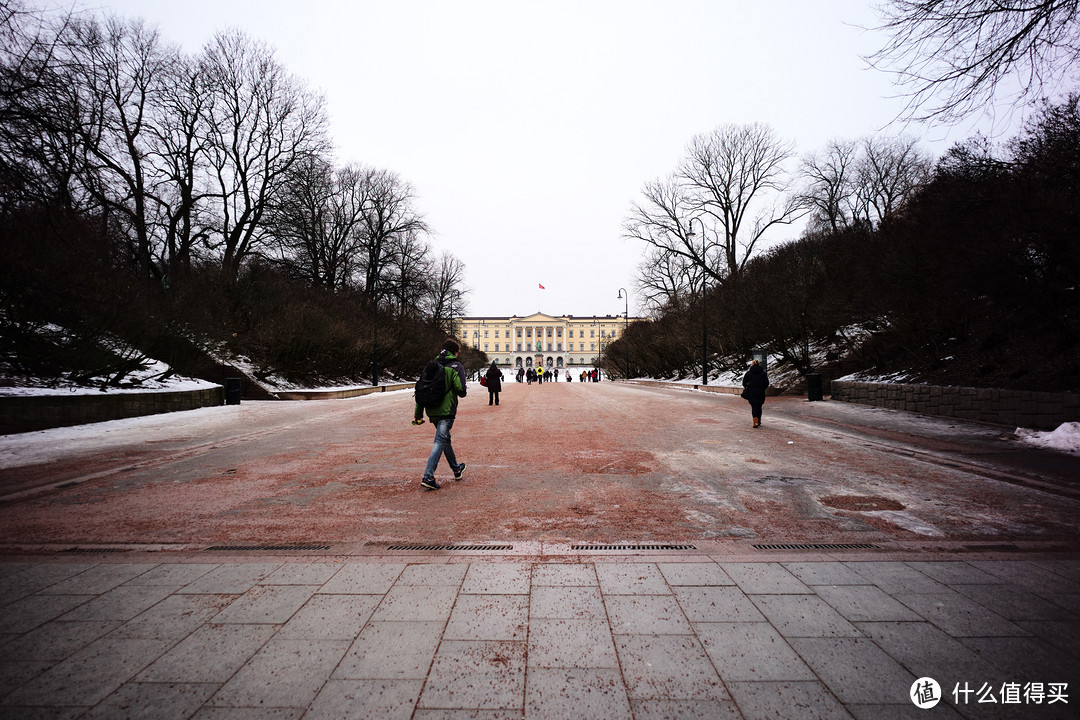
(541, 287)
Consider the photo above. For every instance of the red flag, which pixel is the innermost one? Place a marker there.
(542, 287)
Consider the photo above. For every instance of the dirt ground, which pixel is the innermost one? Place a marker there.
(604, 463)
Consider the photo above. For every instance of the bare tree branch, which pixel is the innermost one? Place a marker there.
(952, 58)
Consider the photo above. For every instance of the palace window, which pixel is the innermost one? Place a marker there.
(485, 333)
(549, 347)
(528, 332)
(485, 347)
(519, 348)
(519, 334)
(559, 347)
(558, 332)
(581, 347)
(549, 332)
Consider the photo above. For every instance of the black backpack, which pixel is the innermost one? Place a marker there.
(431, 387)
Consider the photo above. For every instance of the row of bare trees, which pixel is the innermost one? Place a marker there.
(952, 273)
(736, 185)
(191, 204)
(222, 156)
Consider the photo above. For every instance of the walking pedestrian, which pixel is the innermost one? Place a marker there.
(539, 374)
(754, 383)
(442, 412)
(569, 377)
(521, 374)
(494, 383)
(530, 375)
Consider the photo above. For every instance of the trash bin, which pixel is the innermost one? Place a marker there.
(813, 386)
(234, 388)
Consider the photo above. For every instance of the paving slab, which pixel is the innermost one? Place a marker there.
(489, 617)
(668, 667)
(571, 643)
(284, 673)
(808, 700)
(754, 651)
(695, 573)
(764, 578)
(803, 616)
(576, 692)
(646, 615)
(864, 603)
(475, 674)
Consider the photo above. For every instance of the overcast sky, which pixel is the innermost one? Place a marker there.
(527, 129)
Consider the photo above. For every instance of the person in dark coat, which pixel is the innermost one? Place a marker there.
(494, 383)
(754, 383)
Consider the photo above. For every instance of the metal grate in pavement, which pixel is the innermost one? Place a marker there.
(620, 548)
(95, 550)
(269, 547)
(815, 546)
(450, 547)
(1004, 547)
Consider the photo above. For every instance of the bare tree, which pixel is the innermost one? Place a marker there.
(736, 178)
(662, 220)
(445, 290)
(181, 187)
(830, 184)
(28, 44)
(408, 274)
(667, 280)
(889, 171)
(115, 72)
(317, 219)
(952, 56)
(388, 215)
(261, 122)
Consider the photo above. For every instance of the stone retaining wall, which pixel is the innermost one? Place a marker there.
(338, 394)
(1012, 408)
(25, 413)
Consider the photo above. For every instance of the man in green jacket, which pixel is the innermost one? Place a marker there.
(442, 416)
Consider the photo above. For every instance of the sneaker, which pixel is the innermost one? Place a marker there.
(429, 484)
(459, 472)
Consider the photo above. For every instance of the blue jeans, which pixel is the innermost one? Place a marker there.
(441, 447)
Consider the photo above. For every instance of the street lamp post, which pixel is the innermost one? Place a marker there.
(704, 304)
(623, 295)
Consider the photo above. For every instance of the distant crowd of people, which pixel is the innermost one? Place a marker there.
(540, 375)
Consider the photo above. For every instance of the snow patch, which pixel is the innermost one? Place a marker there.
(1066, 438)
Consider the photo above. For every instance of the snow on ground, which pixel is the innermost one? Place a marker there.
(148, 379)
(1066, 438)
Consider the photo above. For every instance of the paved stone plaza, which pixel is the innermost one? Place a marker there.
(676, 635)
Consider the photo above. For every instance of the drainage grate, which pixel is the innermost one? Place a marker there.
(1004, 547)
(450, 547)
(619, 548)
(95, 550)
(269, 547)
(817, 546)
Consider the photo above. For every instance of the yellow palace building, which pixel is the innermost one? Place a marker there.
(554, 342)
